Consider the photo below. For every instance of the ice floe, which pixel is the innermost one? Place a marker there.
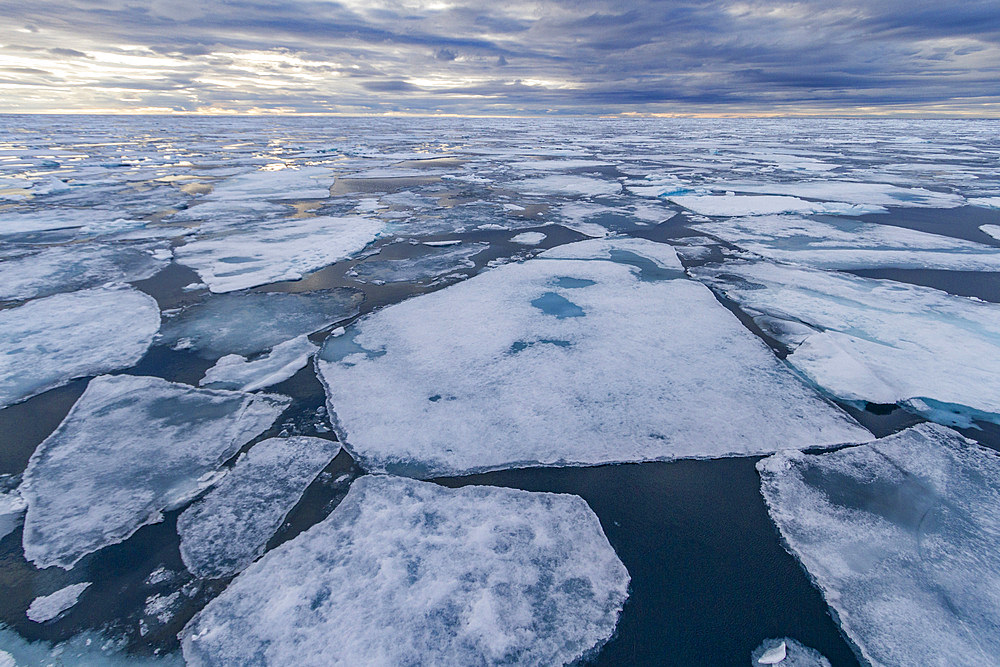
(282, 362)
(850, 244)
(902, 536)
(731, 204)
(595, 352)
(47, 607)
(428, 265)
(12, 506)
(788, 653)
(852, 192)
(300, 183)
(528, 238)
(878, 341)
(991, 230)
(280, 250)
(130, 448)
(227, 530)
(247, 324)
(567, 184)
(985, 202)
(405, 570)
(50, 341)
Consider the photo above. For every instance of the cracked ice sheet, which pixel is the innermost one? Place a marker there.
(279, 250)
(733, 205)
(472, 576)
(47, 607)
(300, 183)
(567, 184)
(225, 531)
(50, 341)
(235, 372)
(130, 448)
(862, 339)
(901, 536)
(434, 263)
(849, 244)
(595, 352)
(850, 192)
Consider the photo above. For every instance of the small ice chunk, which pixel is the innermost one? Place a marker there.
(47, 607)
(50, 341)
(788, 653)
(225, 531)
(441, 244)
(130, 448)
(162, 607)
(12, 506)
(528, 238)
(900, 535)
(732, 205)
(235, 372)
(434, 263)
(774, 655)
(280, 250)
(472, 576)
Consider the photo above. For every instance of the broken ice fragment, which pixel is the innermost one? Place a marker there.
(235, 372)
(429, 265)
(528, 238)
(12, 506)
(733, 205)
(787, 653)
(471, 576)
(47, 607)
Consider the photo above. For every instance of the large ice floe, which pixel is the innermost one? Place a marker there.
(246, 324)
(877, 341)
(732, 204)
(871, 195)
(280, 250)
(301, 183)
(850, 244)
(407, 572)
(226, 530)
(130, 448)
(902, 535)
(435, 262)
(595, 352)
(50, 341)
(235, 372)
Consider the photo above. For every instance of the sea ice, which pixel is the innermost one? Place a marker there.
(902, 536)
(130, 448)
(69, 222)
(729, 205)
(991, 230)
(528, 238)
(880, 341)
(790, 652)
(247, 324)
(300, 183)
(235, 372)
(47, 607)
(431, 264)
(227, 529)
(595, 352)
(50, 341)
(406, 571)
(279, 250)
(850, 244)
(12, 506)
(985, 202)
(568, 184)
(851, 192)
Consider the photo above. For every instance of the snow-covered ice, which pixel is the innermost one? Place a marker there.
(985, 202)
(880, 341)
(902, 536)
(406, 571)
(852, 192)
(301, 183)
(437, 262)
(50, 341)
(991, 230)
(729, 205)
(528, 238)
(595, 352)
(12, 506)
(46, 607)
(227, 530)
(790, 652)
(235, 372)
(281, 250)
(130, 448)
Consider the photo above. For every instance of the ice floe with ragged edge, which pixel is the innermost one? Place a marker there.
(227, 529)
(740, 205)
(62, 224)
(851, 192)
(247, 324)
(31, 273)
(50, 341)
(405, 570)
(282, 362)
(528, 238)
(289, 183)
(902, 536)
(985, 202)
(432, 263)
(130, 448)
(850, 244)
(878, 341)
(47, 607)
(595, 352)
(279, 250)
(12, 507)
(991, 230)
(788, 653)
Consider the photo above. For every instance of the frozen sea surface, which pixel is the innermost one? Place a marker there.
(405, 571)
(902, 537)
(130, 448)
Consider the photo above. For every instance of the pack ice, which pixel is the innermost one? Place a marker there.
(436, 262)
(228, 529)
(732, 204)
(280, 250)
(851, 244)
(405, 571)
(130, 448)
(595, 352)
(50, 341)
(902, 536)
(881, 341)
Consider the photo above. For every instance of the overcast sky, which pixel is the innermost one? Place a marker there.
(502, 57)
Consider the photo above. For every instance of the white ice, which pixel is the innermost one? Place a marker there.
(595, 352)
(405, 570)
(429, 265)
(279, 250)
(300, 183)
(50, 341)
(528, 238)
(902, 536)
(46, 607)
(850, 244)
(69, 222)
(731, 205)
(852, 192)
(130, 448)
(991, 230)
(12, 506)
(985, 202)
(282, 362)
(222, 533)
(788, 653)
(568, 184)
(881, 341)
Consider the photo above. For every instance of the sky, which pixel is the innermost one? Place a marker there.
(481, 57)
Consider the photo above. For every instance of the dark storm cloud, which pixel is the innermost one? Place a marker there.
(571, 56)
